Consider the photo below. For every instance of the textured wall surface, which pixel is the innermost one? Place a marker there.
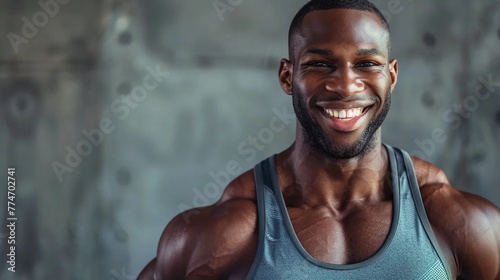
(120, 114)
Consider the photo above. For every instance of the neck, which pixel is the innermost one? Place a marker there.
(308, 176)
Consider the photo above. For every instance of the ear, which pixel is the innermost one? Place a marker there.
(393, 71)
(285, 75)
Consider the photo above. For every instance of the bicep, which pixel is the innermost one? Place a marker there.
(479, 240)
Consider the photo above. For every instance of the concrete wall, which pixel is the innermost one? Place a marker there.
(120, 114)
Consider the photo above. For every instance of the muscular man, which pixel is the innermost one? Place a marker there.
(337, 204)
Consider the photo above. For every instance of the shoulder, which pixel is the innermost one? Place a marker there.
(207, 242)
(439, 195)
(468, 224)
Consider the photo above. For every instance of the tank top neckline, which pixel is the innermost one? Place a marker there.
(393, 169)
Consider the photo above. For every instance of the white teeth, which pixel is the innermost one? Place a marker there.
(344, 114)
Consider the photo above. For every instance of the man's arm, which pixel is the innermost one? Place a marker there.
(171, 247)
(213, 242)
(217, 242)
(467, 225)
(476, 229)
(148, 272)
(471, 226)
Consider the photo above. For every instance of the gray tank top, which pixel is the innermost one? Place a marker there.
(410, 250)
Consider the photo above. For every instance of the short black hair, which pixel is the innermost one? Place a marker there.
(315, 5)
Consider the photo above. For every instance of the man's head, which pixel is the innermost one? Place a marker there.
(339, 75)
(318, 5)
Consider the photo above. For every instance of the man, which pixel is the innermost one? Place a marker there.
(337, 204)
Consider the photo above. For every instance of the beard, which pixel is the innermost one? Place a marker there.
(318, 139)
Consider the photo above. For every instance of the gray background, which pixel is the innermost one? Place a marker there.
(102, 218)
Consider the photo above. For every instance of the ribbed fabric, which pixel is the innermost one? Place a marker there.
(410, 250)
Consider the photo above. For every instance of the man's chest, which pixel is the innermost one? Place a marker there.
(342, 238)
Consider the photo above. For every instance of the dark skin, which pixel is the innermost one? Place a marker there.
(340, 209)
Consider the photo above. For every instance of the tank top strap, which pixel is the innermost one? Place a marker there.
(418, 203)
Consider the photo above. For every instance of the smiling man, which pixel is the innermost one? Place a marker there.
(337, 204)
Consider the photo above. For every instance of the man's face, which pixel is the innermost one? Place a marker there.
(340, 79)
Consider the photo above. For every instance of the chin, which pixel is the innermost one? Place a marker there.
(348, 151)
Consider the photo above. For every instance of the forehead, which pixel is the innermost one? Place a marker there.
(338, 27)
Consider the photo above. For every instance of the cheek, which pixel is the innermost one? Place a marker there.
(301, 88)
(380, 84)
(385, 80)
(309, 86)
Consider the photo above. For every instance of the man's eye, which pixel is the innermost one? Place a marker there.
(367, 64)
(319, 64)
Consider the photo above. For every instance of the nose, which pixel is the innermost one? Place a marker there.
(344, 82)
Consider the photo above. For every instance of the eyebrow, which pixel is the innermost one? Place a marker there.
(324, 52)
(360, 52)
(371, 51)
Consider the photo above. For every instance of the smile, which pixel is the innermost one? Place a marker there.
(344, 113)
(346, 119)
